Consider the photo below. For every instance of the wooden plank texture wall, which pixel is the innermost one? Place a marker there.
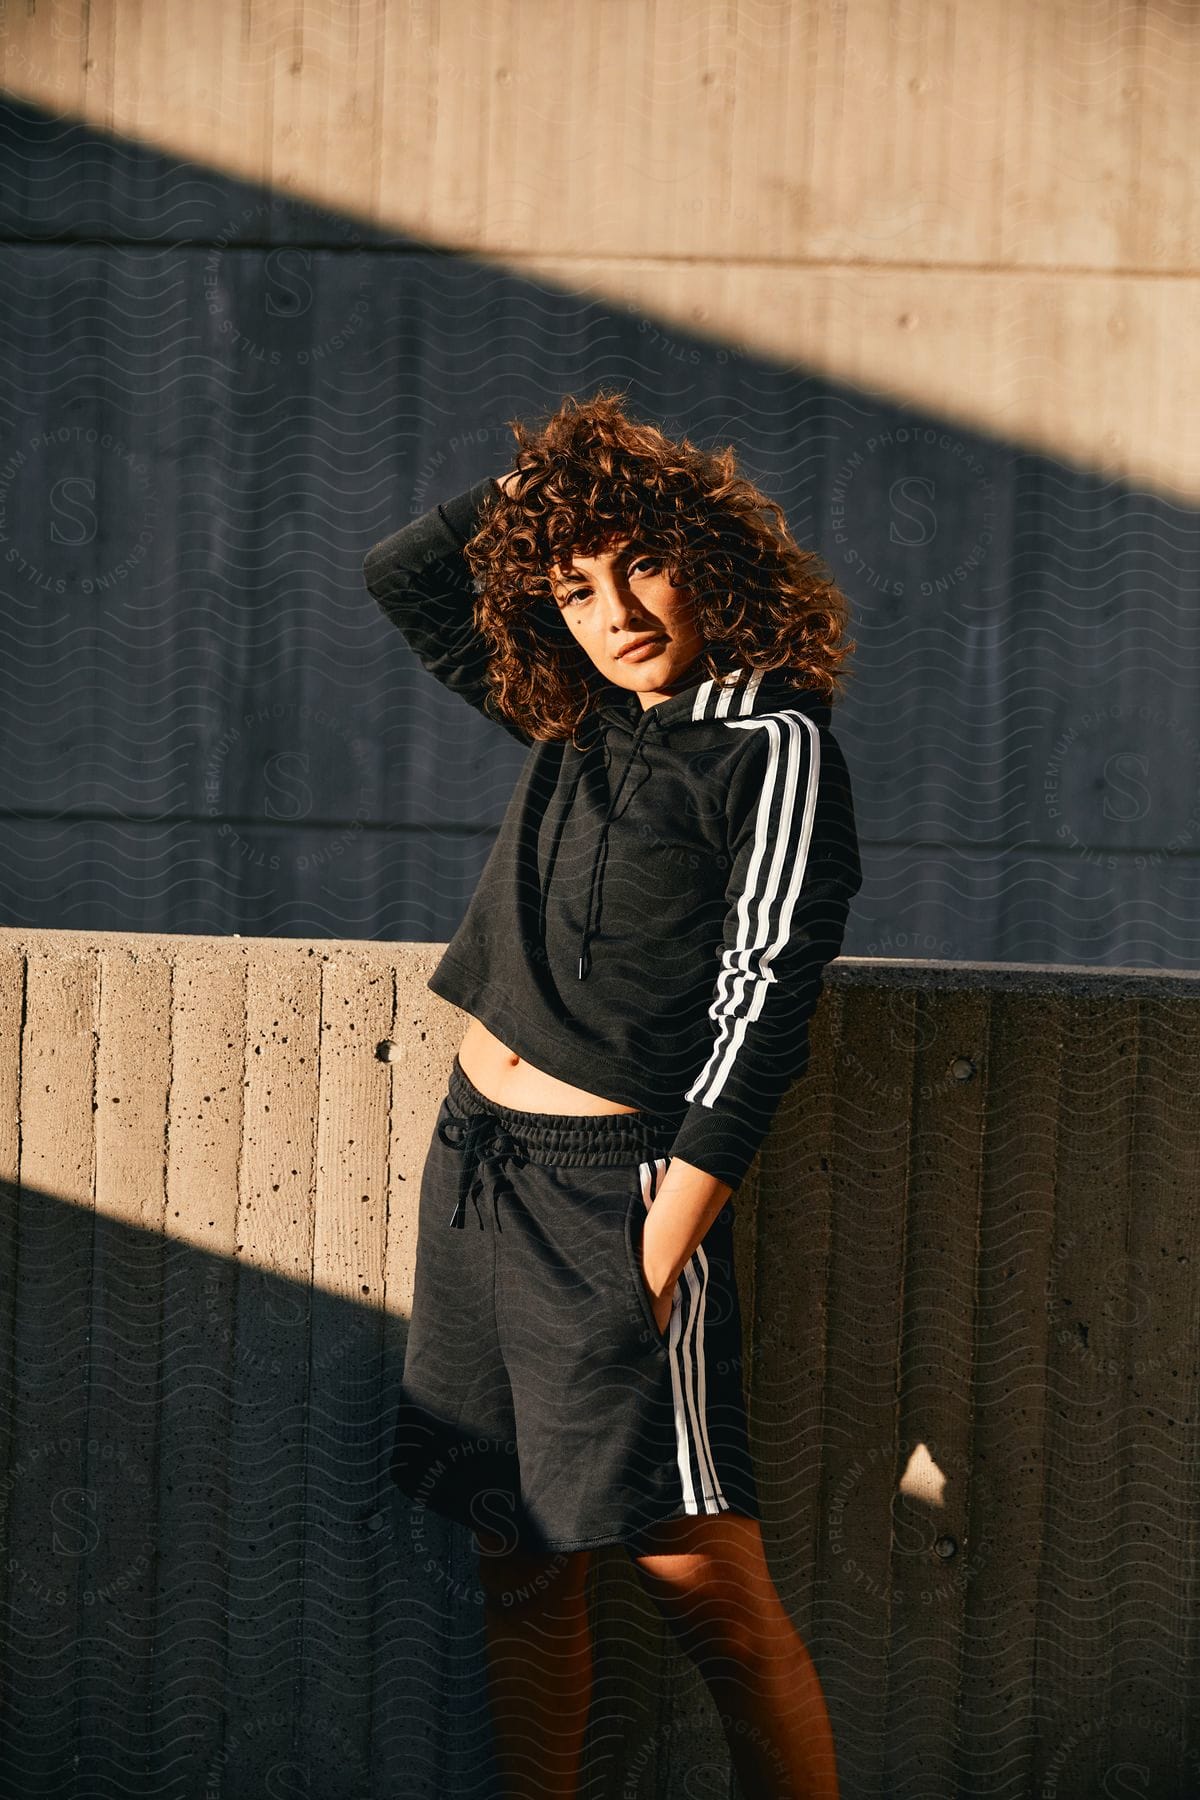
(966, 1259)
(278, 273)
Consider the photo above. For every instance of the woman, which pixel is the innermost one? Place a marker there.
(639, 962)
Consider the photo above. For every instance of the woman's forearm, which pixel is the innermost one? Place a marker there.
(686, 1205)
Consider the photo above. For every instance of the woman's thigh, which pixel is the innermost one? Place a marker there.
(730, 1544)
(710, 1579)
(517, 1580)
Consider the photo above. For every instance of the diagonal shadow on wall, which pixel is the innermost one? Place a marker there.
(217, 399)
(209, 1586)
(209, 1583)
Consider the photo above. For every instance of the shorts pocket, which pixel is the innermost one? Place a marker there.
(636, 1214)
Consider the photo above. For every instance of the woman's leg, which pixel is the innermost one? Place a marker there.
(708, 1575)
(539, 1666)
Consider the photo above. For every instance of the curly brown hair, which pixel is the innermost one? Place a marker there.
(590, 476)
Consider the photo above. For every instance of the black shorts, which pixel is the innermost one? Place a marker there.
(539, 1400)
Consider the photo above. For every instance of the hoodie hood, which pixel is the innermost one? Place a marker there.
(691, 716)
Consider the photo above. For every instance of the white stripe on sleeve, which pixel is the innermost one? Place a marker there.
(782, 836)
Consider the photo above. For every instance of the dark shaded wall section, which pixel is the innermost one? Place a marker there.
(214, 400)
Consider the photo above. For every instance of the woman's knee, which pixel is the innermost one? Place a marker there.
(517, 1581)
(717, 1595)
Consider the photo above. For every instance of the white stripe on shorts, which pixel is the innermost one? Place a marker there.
(685, 1349)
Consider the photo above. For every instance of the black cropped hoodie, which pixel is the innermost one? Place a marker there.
(655, 916)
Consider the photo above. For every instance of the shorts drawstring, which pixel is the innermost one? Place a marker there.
(481, 1141)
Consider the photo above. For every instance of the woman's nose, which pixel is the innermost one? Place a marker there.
(619, 603)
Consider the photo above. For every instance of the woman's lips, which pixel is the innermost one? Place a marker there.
(640, 652)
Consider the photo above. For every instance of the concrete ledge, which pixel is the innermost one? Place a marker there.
(1116, 980)
(1013, 978)
(968, 1274)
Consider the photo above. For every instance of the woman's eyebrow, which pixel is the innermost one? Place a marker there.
(622, 553)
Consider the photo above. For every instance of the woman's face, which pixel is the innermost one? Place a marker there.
(616, 599)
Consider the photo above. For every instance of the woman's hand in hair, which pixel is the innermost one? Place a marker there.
(508, 483)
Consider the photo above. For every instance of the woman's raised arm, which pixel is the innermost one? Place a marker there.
(420, 580)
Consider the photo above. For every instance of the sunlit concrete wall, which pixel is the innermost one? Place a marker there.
(966, 1257)
(986, 210)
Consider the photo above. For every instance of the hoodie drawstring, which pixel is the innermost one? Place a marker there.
(736, 693)
(601, 855)
(563, 816)
(482, 1140)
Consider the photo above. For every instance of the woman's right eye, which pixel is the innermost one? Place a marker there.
(646, 563)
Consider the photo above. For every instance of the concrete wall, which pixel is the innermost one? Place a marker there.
(960, 204)
(966, 1256)
(279, 273)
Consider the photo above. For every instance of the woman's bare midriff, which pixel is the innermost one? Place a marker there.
(506, 1078)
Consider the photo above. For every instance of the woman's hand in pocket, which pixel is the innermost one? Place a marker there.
(662, 1309)
(661, 1305)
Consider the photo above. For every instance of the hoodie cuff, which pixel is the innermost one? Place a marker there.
(461, 513)
(720, 1142)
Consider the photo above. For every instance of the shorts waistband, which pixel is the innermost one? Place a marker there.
(569, 1140)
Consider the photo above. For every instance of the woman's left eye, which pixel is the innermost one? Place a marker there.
(640, 565)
